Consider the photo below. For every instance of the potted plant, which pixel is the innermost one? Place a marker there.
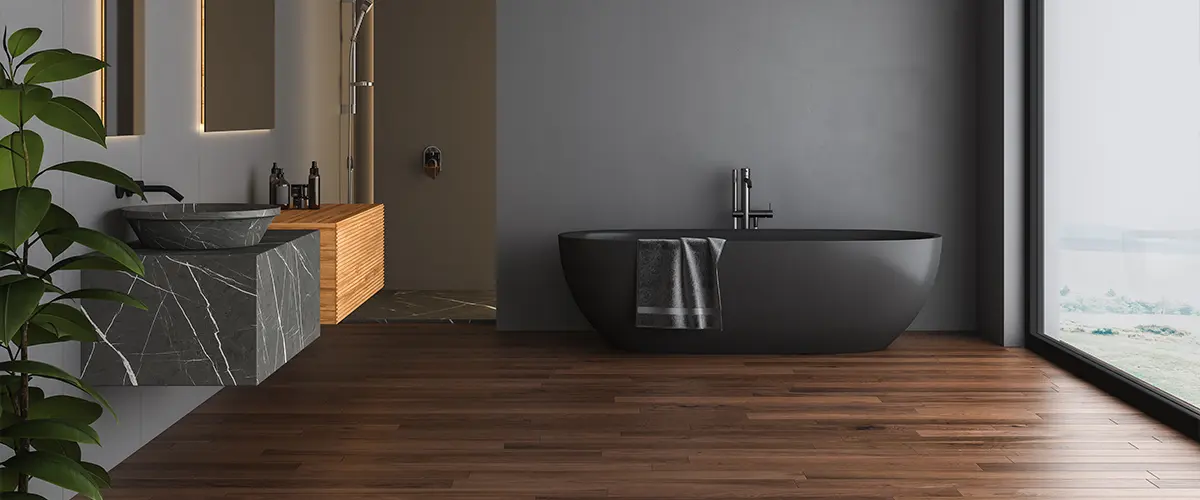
(45, 432)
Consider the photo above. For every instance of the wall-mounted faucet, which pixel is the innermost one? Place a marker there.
(152, 188)
(743, 216)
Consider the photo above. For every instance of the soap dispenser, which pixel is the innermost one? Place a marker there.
(281, 190)
(272, 196)
(314, 187)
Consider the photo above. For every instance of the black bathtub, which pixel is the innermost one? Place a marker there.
(783, 291)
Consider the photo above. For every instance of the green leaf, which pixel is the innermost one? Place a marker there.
(44, 370)
(66, 408)
(12, 163)
(73, 117)
(18, 300)
(65, 448)
(23, 209)
(11, 150)
(39, 335)
(51, 287)
(8, 482)
(52, 429)
(21, 103)
(33, 272)
(22, 40)
(40, 55)
(6, 259)
(66, 321)
(103, 243)
(89, 262)
(57, 470)
(101, 475)
(56, 218)
(10, 383)
(35, 393)
(100, 172)
(102, 294)
(60, 66)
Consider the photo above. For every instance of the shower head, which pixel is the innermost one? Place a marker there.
(364, 7)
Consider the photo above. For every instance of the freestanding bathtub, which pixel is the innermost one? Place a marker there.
(783, 291)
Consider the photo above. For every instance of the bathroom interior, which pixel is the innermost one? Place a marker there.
(582, 249)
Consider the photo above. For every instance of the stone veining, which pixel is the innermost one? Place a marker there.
(218, 317)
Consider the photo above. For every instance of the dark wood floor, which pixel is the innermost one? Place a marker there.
(451, 411)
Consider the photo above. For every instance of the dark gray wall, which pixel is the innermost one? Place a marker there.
(1002, 254)
(630, 113)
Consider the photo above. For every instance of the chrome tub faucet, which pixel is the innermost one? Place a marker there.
(743, 216)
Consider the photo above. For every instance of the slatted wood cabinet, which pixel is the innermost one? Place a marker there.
(351, 253)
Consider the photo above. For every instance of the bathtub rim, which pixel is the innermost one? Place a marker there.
(866, 235)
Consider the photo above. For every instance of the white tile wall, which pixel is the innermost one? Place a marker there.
(217, 167)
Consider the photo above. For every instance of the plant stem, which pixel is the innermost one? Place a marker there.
(23, 347)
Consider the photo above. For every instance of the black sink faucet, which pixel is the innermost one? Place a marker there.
(152, 188)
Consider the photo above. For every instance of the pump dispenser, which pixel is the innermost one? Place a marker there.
(314, 186)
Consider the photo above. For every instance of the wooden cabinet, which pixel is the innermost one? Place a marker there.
(351, 253)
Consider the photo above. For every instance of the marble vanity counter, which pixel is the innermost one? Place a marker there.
(215, 318)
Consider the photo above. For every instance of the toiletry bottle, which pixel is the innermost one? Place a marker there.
(300, 196)
(282, 190)
(272, 194)
(314, 187)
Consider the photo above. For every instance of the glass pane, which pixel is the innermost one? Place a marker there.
(1122, 185)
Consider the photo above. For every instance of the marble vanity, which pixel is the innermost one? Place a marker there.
(230, 316)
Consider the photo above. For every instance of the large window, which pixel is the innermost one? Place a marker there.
(1120, 188)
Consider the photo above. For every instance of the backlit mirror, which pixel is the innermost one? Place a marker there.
(238, 67)
(124, 51)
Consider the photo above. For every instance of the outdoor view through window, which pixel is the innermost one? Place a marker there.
(1122, 186)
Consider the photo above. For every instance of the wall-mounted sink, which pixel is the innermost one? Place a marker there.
(200, 226)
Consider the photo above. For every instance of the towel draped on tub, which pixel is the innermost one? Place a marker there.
(677, 285)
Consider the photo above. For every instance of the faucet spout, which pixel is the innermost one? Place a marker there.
(150, 188)
(743, 216)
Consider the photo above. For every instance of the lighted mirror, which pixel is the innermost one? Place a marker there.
(124, 51)
(238, 66)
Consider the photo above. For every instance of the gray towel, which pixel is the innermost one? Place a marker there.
(677, 284)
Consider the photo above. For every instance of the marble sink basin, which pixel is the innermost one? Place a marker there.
(200, 226)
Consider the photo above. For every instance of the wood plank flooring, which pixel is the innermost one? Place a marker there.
(461, 412)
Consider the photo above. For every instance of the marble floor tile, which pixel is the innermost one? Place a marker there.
(449, 306)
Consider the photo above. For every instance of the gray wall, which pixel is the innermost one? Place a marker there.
(630, 113)
(203, 166)
(435, 75)
(1002, 255)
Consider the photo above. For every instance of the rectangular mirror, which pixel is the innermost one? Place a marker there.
(238, 66)
(123, 49)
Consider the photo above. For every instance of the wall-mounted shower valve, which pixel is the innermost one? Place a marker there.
(433, 162)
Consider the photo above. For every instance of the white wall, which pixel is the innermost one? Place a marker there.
(210, 167)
